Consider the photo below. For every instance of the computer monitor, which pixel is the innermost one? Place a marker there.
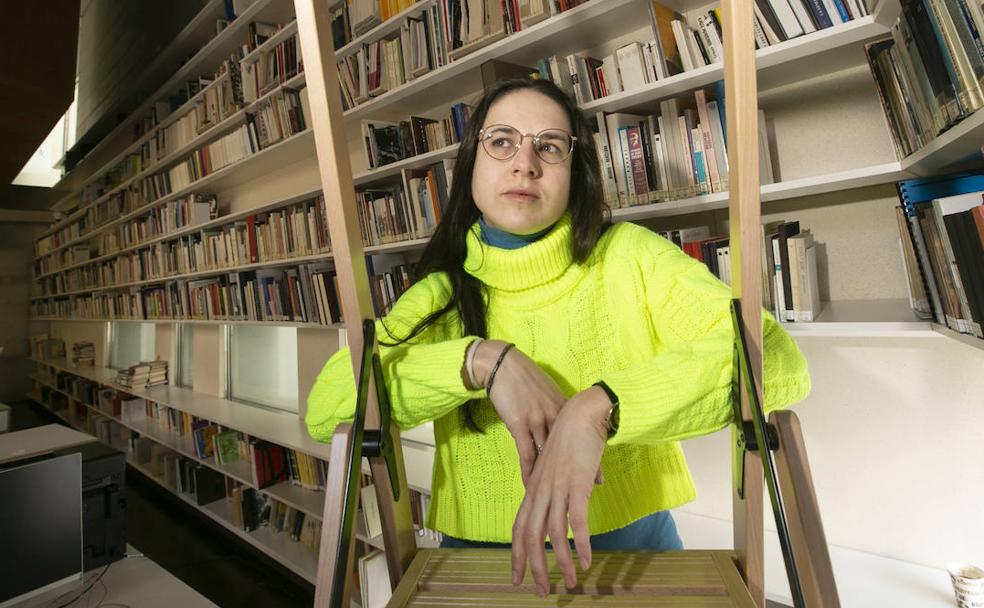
(40, 524)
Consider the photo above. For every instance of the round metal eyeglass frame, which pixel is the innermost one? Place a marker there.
(485, 135)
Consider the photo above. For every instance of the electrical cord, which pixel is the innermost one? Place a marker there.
(84, 591)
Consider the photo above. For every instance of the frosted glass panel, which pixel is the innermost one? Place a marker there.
(263, 362)
(132, 343)
(186, 363)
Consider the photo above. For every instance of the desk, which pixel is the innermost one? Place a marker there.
(39, 440)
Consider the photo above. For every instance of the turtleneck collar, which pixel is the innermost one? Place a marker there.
(537, 263)
(507, 240)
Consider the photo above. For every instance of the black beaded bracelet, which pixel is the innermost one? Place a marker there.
(495, 368)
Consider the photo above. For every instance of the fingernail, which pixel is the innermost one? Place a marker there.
(584, 563)
(515, 578)
(541, 590)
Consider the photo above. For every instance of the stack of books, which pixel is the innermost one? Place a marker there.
(143, 375)
(83, 354)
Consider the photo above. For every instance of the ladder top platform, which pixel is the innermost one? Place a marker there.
(482, 577)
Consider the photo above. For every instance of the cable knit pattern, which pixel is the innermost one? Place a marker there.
(640, 314)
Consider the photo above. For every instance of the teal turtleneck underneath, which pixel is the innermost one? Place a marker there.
(507, 240)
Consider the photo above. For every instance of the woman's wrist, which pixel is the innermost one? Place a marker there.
(484, 358)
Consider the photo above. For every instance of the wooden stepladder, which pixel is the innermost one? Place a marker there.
(482, 577)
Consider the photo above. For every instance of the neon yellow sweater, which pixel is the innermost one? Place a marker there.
(639, 314)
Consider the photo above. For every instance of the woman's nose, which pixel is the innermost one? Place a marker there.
(526, 160)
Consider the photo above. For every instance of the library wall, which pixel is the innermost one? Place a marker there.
(893, 429)
(209, 359)
(16, 254)
(117, 41)
(314, 348)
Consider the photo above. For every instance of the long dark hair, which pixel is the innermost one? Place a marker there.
(447, 248)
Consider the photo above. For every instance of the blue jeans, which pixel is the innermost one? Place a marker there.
(656, 532)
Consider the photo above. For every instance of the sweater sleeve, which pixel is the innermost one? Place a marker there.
(685, 390)
(423, 376)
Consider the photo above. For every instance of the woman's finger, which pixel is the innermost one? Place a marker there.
(534, 537)
(518, 547)
(558, 538)
(578, 510)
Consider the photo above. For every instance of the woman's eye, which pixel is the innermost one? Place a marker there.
(502, 142)
(549, 147)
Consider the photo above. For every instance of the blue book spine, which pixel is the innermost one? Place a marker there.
(719, 95)
(819, 14)
(845, 15)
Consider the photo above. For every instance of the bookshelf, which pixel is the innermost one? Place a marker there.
(845, 182)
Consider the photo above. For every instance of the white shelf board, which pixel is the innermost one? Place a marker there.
(311, 502)
(333, 326)
(584, 26)
(884, 318)
(963, 142)
(971, 341)
(284, 428)
(822, 52)
(790, 189)
(414, 162)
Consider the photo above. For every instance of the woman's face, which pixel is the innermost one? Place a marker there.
(524, 194)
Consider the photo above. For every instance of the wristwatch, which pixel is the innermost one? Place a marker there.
(611, 421)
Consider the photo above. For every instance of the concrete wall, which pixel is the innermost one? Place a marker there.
(16, 256)
(117, 41)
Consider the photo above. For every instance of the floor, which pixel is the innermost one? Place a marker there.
(191, 547)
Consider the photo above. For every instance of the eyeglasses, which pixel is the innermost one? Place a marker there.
(502, 142)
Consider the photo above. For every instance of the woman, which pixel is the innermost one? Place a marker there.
(561, 358)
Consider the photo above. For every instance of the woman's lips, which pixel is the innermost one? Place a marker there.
(521, 196)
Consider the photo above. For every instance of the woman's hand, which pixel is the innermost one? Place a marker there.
(559, 489)
(525, 397)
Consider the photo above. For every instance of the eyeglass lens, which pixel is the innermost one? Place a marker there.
(502, 142)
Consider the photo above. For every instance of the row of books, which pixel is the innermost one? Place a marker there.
(779, 20)
(297, 231)
(387, 142)
(304, 294)
(279, 117)
(679, 152)
(930, 71)
(272, 68)
(943, 249)
(790, 283)
(307, 293)
(405, 213)
(215, 103)
(145, 374)
(83, 354)
(440, 33)
(269, 463)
